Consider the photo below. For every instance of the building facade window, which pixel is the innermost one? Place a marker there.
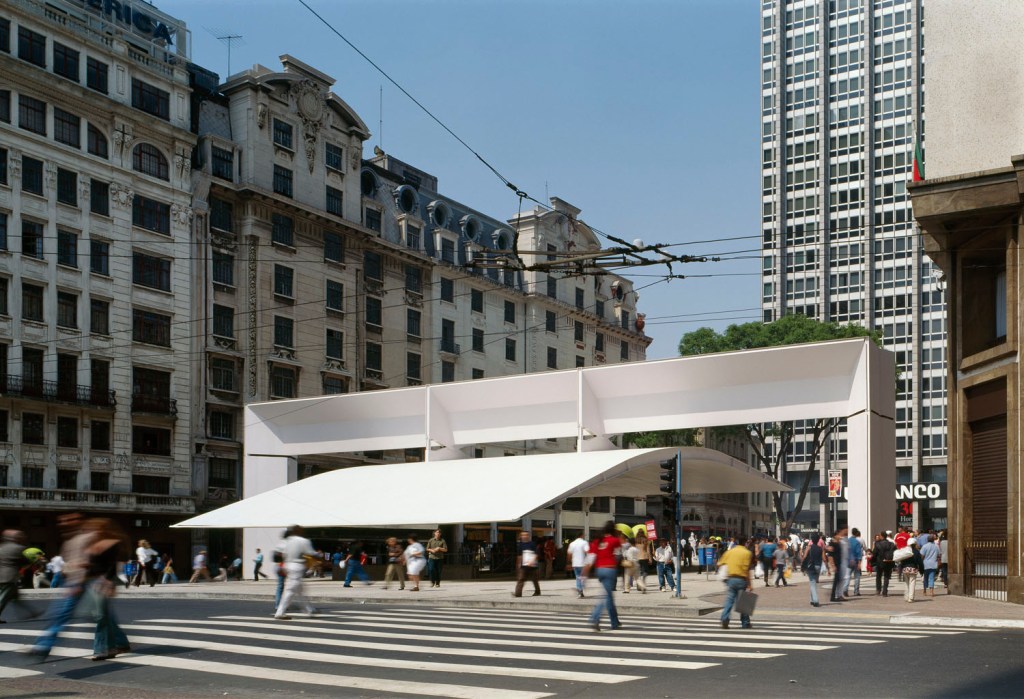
(99, 257)
(284, 332)
(65, 61)
(96, 75)
(282, 230)
(413, 323)
(552, 358)
(31, 302)
(67, 128)
(96, 142)
(67, 434)
(99, 317)
(334, 157)
(334, 247)
(335, 342)
(222, 215)
(510, 349)
(31, 47)
(223, 375)
(151, 440)
(374, 312)
(478, 340)
(147, 159)
(99, 198)
(222, 163)
(223, 321)
(283, 382)
(151, 99)
(335, 296)
(150, 271)
(33, 430)
(223, 269)
(99, 436)
(476, 300)
(283, 134)
(284, 281)
(447, 290)
(32, 114)
(373, 266)
(67, 248)
(413, 362)
(222, 424)
(334, 201)
(151, 214)
(32, 175)
(67, 187)
(151, 328)
(282, 181)
(373, 219)
(67, 310)
(447, 372)
(32, 239)
(550, 321)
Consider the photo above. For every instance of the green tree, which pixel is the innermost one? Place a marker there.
(788, 330)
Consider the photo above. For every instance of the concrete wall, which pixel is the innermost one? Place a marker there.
(974, 85)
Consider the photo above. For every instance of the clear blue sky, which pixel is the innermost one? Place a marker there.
(644, 114)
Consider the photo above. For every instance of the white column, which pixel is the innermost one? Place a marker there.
(259, 475)
(871, 473)
(557, 509)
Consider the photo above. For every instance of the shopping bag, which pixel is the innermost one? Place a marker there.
(759, 571)
(723, 573)
(746, 601)
(787, 573)
(902, 554)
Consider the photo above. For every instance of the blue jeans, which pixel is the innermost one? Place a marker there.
(607, 578)
(109, 635)
(929, 578)
(853, 575)
(58, 581)
(578, 572)
(63, 610)
(666, 576)
(732, 589)
(280, 587)
(812, 579)
(354, 569)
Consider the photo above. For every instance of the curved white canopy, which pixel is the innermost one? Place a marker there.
(478, 490)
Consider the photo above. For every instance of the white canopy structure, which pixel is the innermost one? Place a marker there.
(851, 379)
(479, 490)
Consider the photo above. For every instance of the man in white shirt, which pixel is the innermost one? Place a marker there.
(663, 556)
(56, 566)
(578, 551)
(296, 549)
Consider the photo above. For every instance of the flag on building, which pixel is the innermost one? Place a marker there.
(918, 161)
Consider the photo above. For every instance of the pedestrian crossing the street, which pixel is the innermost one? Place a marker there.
(453, 652)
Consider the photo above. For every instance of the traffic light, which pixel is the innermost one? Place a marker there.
(670, 487)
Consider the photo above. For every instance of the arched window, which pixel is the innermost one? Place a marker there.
(148, 159)
(97, 142)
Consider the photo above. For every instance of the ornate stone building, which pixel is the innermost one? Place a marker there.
(95, 269)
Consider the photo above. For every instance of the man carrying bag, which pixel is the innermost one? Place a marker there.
(739, 564)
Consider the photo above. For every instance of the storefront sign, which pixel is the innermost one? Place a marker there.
(921, 491)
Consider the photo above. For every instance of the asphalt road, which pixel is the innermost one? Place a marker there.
(198, 648)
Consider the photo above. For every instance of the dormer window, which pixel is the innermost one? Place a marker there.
(439, 214)
(405, 198)
(470, 227)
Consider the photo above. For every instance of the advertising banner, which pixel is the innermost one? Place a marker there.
(652, 531)
(835, 483)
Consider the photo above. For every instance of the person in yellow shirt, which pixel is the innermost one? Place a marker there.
(739, 560)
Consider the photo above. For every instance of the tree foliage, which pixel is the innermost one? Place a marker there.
(788, 330)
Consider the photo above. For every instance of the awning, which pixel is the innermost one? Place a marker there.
(497, 489)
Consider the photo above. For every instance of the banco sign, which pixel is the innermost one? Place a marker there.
(122, 12)
(920, 491)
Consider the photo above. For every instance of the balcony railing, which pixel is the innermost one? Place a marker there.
(88, 500)
(450, 347)
(158, 405)
(57, 392)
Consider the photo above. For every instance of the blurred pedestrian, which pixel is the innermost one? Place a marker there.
(856, 553)
(944, 557)
(415, 561)
(12, 559)
(930, 553)
(354, 564)
(395, 569)
(781, 559)
(278, 559)
(77, 540)
(549, 552)
(199, 567)
(766, 557)
(839, 552)
(603, 559)
(527, 565)
(56, 568)
(109, 639)
(145, 555)
(298, 550)
(168, 570)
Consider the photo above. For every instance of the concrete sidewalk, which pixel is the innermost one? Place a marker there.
(703, 596)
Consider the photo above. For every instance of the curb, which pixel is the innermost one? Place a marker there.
(957, 621)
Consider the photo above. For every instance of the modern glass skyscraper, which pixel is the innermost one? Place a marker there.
(842, 109)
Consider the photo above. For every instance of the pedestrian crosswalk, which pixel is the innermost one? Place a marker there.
(453, 652)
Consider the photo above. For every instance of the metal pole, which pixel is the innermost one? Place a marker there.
(679, 524)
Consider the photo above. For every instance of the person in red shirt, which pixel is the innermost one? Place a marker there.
(901, 538)
(604, 556)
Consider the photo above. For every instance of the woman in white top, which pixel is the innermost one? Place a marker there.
(415, 562)
(145, 556)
